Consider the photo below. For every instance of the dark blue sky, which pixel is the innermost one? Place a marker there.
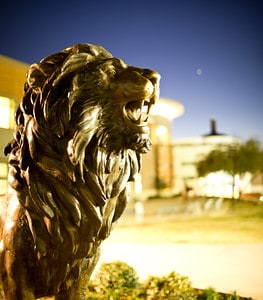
(209, 53)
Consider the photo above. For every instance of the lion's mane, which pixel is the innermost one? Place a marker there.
(72, 154)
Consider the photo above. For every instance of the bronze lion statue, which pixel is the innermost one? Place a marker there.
(81, 129)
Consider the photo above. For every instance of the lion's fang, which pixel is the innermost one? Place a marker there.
(139, 113)
(145, 109)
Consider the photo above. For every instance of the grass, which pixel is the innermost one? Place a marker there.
(240, 224)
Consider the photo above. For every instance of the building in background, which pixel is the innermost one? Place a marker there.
(12, 78)
(187, 152)
(156, 176)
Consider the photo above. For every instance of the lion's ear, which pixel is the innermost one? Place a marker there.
(73, 65)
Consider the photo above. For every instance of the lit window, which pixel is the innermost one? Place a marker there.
(7, 110)
(3, 170)
(3, 177)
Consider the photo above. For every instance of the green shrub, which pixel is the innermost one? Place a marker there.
(212, 294)
(119, 281)
(115, 280)
(172, 286)
(209, 294)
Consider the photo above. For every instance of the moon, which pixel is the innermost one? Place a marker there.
(199, 72)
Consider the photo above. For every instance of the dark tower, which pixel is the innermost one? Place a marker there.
(213, 127)
(213, 130)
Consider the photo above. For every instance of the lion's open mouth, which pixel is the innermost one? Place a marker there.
(138, 111)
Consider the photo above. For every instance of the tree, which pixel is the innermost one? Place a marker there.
(234, 159)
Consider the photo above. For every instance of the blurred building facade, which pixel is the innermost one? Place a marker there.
(12, 78)
(187, 152)
(157, 173)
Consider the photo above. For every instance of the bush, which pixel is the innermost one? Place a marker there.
(115, 280)
(212, 294)
(118, 281)
(171, 286)
(209, 294)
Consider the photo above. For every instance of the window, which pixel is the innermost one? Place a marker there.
(3, 177)
(7, 110)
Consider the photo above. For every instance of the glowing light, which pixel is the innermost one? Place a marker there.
(7, 110)
(161, 130)
(167, 108)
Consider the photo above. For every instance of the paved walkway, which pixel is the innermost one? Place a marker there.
(227, 268)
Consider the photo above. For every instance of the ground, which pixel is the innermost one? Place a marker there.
(219, 246)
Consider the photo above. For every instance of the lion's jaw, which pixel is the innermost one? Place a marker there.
(135, 91)
(139, 92)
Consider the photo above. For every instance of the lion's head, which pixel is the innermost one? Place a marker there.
(83, 93)
(80, 131)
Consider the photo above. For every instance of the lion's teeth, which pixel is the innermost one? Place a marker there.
(134, 114)
(139, 113)
(142, 104)
(130, 114)
(144, 109)
(143, 117)
(149, 108)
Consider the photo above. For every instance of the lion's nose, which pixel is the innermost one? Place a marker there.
(151, 85)
(155, 80)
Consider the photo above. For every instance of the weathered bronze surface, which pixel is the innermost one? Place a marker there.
(80, 131)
